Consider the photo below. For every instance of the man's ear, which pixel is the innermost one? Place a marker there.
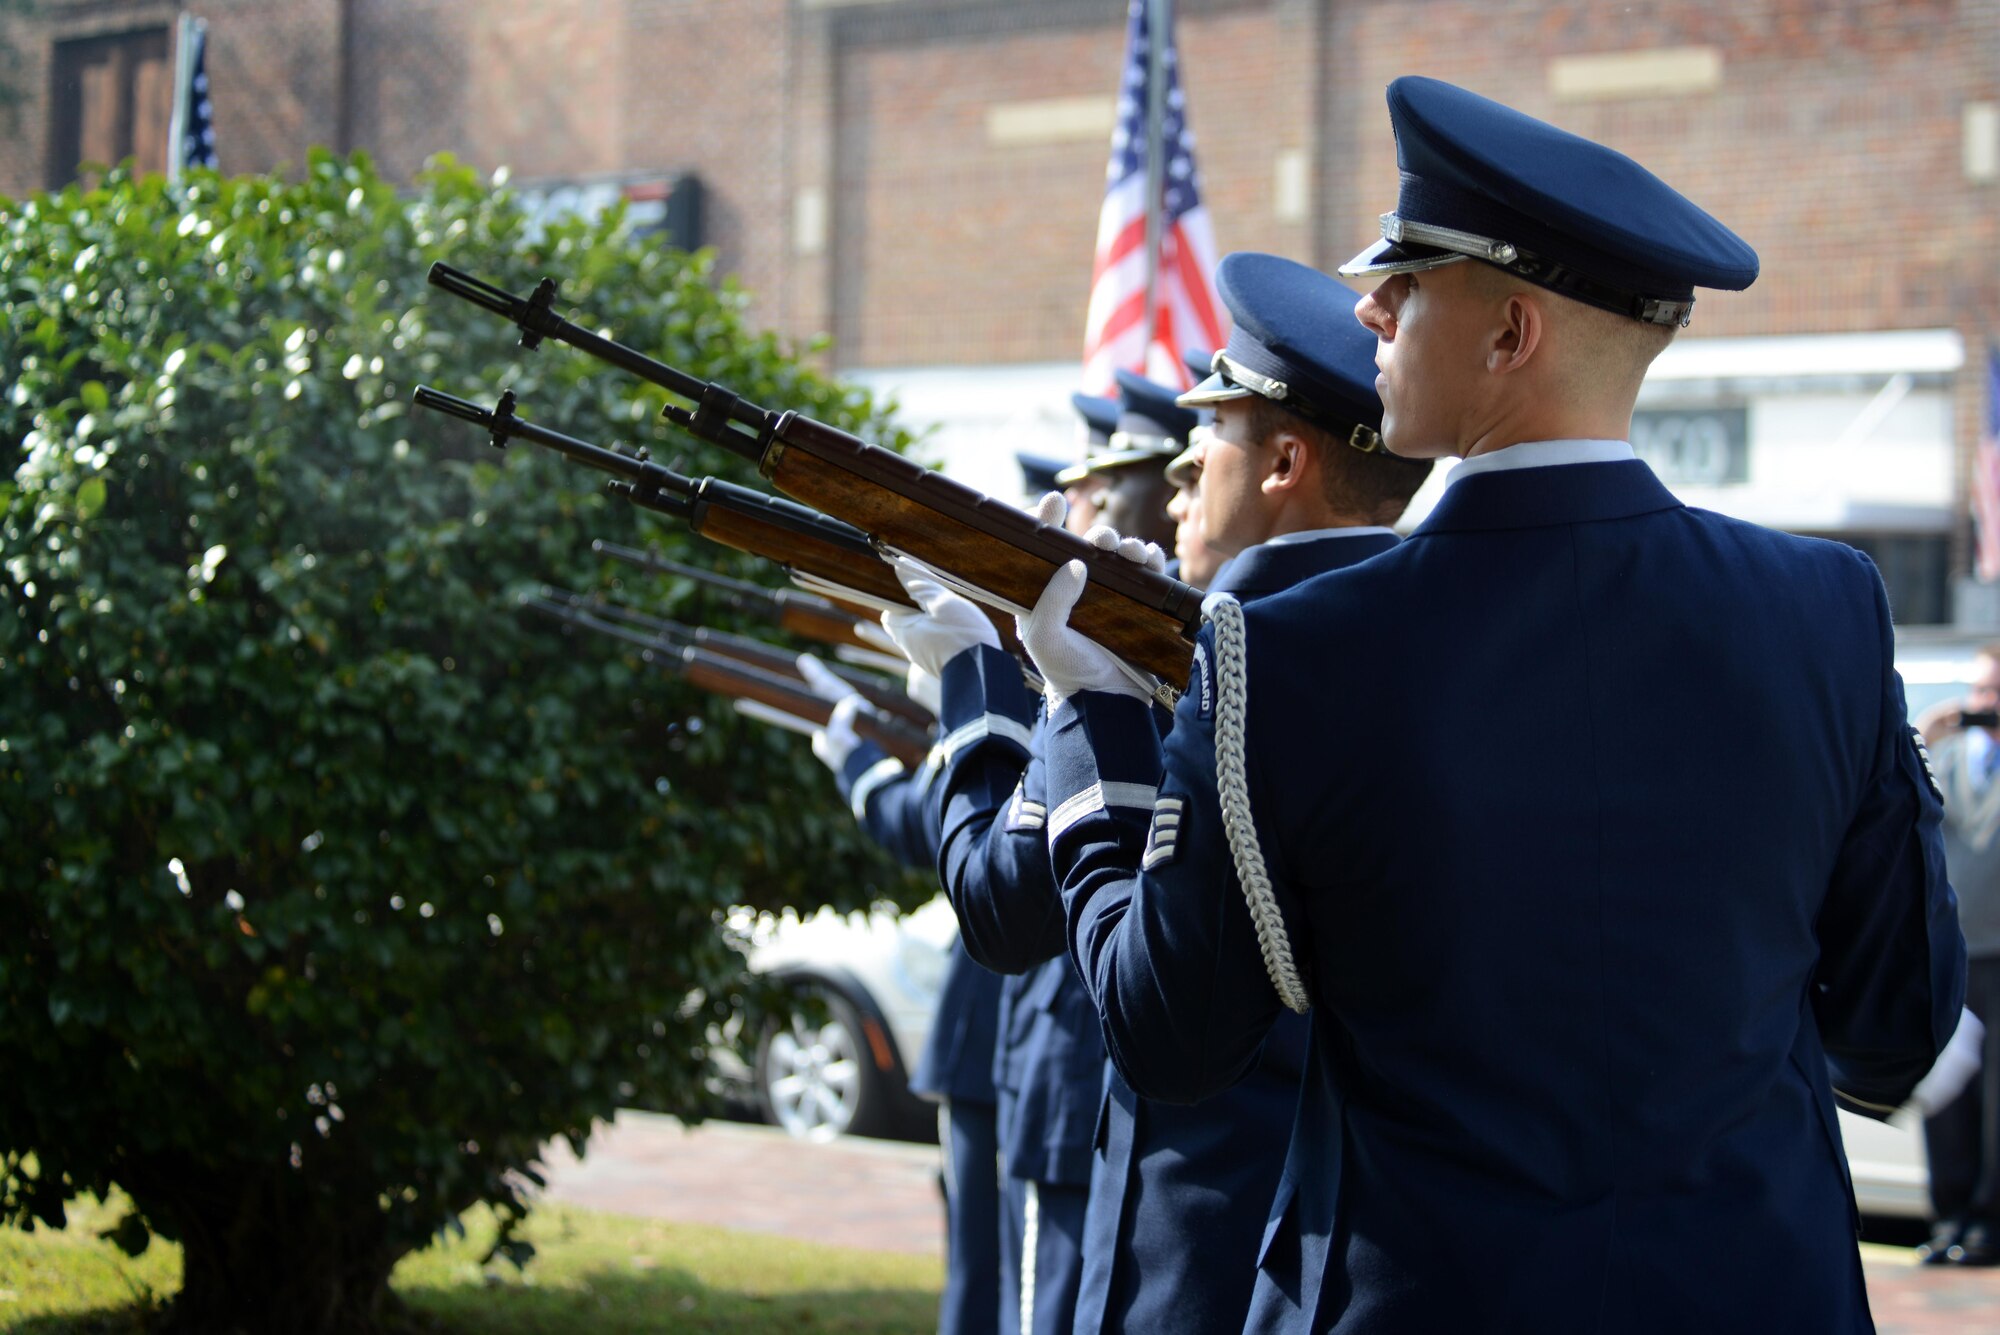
(1288, 461)
(1518, 335)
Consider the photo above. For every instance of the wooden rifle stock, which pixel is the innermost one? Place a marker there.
(801, 614)
(740, 681)
(1145, 617)
(884, 695)
(737, 680)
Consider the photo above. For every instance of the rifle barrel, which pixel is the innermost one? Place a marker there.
(1144, 616)
(661, 565)
(740, 680)
(537, 320)
(646, 483)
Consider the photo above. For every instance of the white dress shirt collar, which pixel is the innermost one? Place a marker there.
(1543, 454)
(1315, 534)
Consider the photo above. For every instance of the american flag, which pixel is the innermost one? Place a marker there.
(1986, 475)
(1186, 311)
(194, 145)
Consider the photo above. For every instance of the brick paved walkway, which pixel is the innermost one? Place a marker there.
(875, 1194)
(883, 1196)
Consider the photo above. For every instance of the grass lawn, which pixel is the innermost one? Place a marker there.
(593, 1272)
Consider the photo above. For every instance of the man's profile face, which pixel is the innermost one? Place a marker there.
(1428, 328)
(1233, 468)
(1083, 498)
(1199, 561)
(1134, 501)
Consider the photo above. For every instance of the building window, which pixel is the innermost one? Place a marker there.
(111, 99)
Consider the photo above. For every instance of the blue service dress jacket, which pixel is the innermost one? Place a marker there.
(897, 809)
(1610, 862)
(1171, 1241)
(1179, 1195)
(993, 861)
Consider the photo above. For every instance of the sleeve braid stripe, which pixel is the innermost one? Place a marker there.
(872, 778)
(1232, 782)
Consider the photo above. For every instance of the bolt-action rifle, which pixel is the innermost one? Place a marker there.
(802, 540)
(884, 695)
(738, 680)
(802, 614)
(987, 545)
(769, 526)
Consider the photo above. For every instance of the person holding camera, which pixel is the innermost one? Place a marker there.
(1963, 1137)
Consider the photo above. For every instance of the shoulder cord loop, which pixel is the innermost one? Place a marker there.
(1232, 784)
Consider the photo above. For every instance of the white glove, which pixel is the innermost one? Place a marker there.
(834, 743)
(1954, 1068)
(1067, 660)
(925, 689)
(825, 682)
(1052, 509)
(1148, 554)
(948, 624)
(870, 633)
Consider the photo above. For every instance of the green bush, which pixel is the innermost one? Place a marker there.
(330, 885)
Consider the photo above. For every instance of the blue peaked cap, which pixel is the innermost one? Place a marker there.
(1482, 181)
(1149, 428)
(1038, 472)
(1199, 361)
(1100, 416)
(1295, 341)
(1148, 410)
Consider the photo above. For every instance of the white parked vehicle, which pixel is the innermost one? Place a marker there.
(863, 989)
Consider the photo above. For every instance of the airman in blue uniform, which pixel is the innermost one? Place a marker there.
(1122, 481)
(1178, 1196)
(1588, 825)
(896, 808)
(1049, 1065)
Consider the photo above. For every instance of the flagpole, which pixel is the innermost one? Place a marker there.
(183, 76)
(1159, 17)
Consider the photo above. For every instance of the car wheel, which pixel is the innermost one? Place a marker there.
(814, 1075)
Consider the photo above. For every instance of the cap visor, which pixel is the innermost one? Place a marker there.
(1387, 257)
(1215, 389)
(1097, 463)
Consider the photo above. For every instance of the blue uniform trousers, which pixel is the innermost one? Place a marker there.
(1041, 1252)
(972, 1303)
(897, 809)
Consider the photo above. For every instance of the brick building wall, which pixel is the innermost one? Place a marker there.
(1832, 141)
(919, 179)
(859, 187)
(961, 242)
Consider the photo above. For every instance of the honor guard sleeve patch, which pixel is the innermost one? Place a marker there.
(1924, 754)
(1024, 814)
(1202, 682)
(1163, 839)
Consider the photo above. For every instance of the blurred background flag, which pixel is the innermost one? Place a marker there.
(1152, 293)
(1986, 476)
(191, 135)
